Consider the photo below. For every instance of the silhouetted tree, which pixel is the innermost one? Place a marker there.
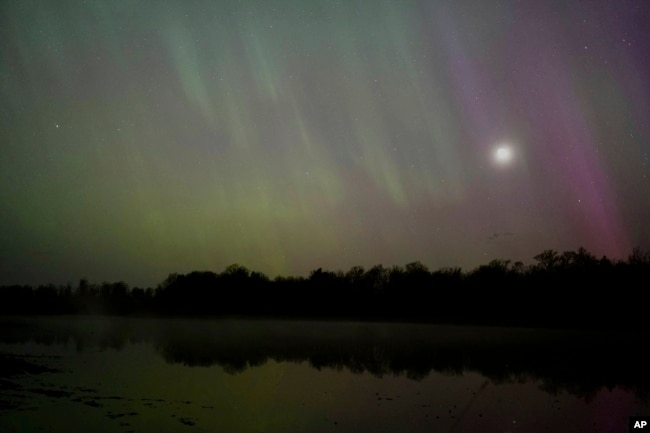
(559, 290)
(548, 259)
(639, 257)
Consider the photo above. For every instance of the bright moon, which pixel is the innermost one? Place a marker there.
(503, 154)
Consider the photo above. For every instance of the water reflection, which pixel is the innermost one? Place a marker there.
(578, 362)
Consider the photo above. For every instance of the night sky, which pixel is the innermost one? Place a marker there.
(141, 138)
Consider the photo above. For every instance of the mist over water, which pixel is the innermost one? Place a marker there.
(124, 374)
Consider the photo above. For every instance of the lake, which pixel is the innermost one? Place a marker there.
(105, 374)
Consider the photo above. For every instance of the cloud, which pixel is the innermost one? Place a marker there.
(500, 235)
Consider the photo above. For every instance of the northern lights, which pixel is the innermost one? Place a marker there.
(143, 138)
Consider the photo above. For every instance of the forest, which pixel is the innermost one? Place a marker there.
(572, 289)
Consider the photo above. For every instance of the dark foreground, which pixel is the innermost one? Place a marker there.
(124, 374)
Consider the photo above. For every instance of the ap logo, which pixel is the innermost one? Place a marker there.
(639, 424)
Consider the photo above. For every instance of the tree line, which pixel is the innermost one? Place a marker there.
(568, 289)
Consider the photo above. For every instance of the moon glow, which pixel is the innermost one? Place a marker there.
(503, 154)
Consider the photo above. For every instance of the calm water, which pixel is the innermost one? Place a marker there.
(151, 375)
